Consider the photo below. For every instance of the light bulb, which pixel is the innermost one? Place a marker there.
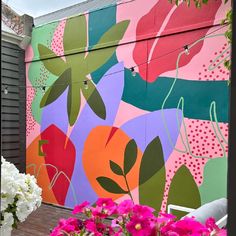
(133, 71)
(186, 49)
(5, 90)
(86, 84)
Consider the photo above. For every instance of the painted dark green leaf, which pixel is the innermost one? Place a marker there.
(152, 191)
(183, 191)
(94, 100)
(110, 185)
(152, 160)
(75, 33)
(97, 58)
(57, 88)
(116, 168)
(152, 175)
(73, 103)
(130, 156)
(55, 65)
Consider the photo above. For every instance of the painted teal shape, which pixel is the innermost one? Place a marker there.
(44, 36)
(214, 185)
(99, 23)
(198, 95)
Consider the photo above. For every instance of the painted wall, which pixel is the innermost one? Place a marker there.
(160, 136)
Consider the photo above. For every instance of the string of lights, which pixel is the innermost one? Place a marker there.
(132, 69)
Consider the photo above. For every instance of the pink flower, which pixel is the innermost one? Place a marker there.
(80, 208)
(105, 206)
(139, 227)
(143, 211)
(125, 207)
(211, 225)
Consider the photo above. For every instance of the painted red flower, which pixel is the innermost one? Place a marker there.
(167, 19)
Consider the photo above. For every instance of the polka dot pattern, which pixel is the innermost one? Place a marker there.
(219, 72)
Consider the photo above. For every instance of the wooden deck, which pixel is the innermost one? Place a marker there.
(41, 221)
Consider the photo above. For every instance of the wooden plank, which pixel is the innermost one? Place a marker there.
(10, 145)
(10, 45)
(10, 117)
(10, 96)
(11, 154)
(11, 74)
(11, 138)
(10, 81)
(13, 58)
(10, 51)
(10, 124)
(10, 66)
(10, 110)
(10, 103)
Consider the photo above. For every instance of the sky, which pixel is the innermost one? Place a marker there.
(37, 8)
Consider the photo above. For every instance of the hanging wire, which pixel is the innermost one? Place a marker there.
(132, 69)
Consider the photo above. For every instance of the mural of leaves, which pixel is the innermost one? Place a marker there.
(74, 70)
(183, 191)
(152, 175)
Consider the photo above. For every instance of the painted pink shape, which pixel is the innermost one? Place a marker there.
(127, 112)
(197, 68)
(135, 195)
(203, 142)
(32, 127)
(133, 11)
(57, 40)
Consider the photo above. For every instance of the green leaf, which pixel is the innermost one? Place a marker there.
(94, 100)
(97, 58)
(75, 34)
(55, 65)
(130, 156)
(116, 168)
(183, 191)
(73, 103)
(110, 185)
(152, 160)
(57, 88)
(214, 185)
(152, 191)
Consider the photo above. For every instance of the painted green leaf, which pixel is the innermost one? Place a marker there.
(183, 191)
(152, 160)
(94, 100)
(152, 175)
(55, 65)
(214, 185)
(73, 103)
(97, 58)
(130, 156)
(75, 34)
(57, 88)
(110, 185)
(116, 168)
(151, 192)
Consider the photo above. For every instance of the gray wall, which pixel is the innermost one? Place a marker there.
(13, 105)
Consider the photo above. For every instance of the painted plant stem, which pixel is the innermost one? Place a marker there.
(128, 189)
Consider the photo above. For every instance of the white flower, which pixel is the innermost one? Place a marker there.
(8, 220)
(19, 189)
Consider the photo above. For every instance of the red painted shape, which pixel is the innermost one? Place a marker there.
(112, 132)
(60, 156)
(181, 19)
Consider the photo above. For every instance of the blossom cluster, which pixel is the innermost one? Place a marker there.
(20, 195)
(128, 218)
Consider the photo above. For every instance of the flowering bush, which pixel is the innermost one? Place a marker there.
(20, 195)
(130, 219)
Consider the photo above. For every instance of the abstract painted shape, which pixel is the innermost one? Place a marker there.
(41, 143)
(152, 125)
(215, 179)
(165, 21)
(35, 165)
(183, 191)
(60, 157)
(195, 107)
(110, 87)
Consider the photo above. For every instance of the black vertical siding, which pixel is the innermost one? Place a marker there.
(13, 108)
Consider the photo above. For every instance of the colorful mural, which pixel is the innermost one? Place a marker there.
(116, 107)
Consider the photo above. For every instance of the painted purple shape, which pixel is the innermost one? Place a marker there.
(56, 114)
(152, 125)
(111, 89)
